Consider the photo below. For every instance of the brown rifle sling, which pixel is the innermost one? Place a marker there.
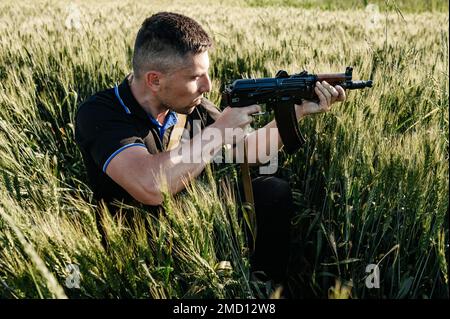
(247, 181)
(249, 204)
(177, 132)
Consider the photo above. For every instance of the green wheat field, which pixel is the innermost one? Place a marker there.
(370, 186)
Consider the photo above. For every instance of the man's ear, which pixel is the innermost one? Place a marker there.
(152, 80)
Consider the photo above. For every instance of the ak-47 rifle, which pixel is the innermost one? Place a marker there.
(281, 93)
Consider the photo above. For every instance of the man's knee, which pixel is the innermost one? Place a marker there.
(272, 190)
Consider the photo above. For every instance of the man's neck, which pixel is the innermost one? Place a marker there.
(147, 101)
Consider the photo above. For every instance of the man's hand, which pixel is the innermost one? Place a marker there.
(327, 96)
(235, 117)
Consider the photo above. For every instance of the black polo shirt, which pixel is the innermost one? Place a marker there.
(112, 120)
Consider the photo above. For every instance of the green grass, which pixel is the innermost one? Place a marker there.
(410, 6)
(370, 186)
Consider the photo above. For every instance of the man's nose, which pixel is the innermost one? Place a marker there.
(206, 84)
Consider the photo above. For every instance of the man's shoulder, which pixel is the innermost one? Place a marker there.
(102, 101)
(98, 111)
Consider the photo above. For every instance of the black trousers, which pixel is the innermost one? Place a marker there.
(274, 209)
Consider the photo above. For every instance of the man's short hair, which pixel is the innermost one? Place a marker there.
(164, 40)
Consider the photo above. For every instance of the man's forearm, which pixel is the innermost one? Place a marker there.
(173, 169)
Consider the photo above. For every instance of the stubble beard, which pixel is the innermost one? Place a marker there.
(186, 109)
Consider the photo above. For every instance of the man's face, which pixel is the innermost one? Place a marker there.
(182, 90)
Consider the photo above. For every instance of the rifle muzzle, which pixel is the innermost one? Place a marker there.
(353, 85)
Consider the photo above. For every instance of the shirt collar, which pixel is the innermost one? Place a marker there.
(136, 109)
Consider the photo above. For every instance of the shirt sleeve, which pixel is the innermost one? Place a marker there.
(103, 133)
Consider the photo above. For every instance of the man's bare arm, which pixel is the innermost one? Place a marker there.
(144, 175)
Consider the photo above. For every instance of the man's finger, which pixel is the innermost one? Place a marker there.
(252, 109)
(249, 121)
(334, 93)
(325, 93)
(342, 95)
(322, 97)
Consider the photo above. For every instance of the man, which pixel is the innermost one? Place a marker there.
(123, 132)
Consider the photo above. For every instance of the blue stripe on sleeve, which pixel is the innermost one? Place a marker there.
(118, 151)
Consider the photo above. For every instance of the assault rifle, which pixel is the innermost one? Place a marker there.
(281, 93)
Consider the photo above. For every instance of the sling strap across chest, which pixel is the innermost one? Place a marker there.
(177, 132)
